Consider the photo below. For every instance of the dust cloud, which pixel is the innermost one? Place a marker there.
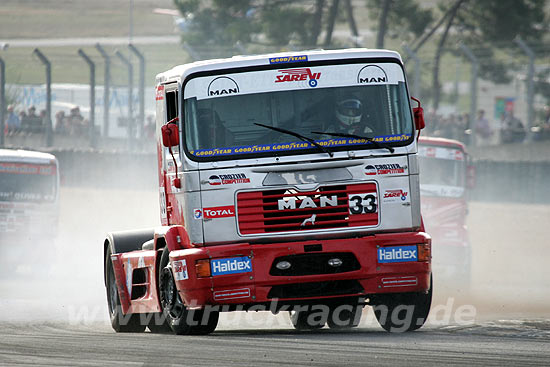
(510, 252)
(64, 282)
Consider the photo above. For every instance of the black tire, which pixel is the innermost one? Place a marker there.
(181, 320)
(400, 312)
(301, 320)
(129, 323)
(158, 325)
(344, 316)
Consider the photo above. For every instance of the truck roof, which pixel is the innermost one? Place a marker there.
(179, 72)
(428, 140)
(25, 156)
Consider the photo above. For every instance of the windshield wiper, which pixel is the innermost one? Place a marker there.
(299, 136)
(374, 142)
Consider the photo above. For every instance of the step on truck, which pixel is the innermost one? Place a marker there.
(29, 206)
(447, 176)
(287, 182)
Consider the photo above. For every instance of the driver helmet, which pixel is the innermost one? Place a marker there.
(349, 111)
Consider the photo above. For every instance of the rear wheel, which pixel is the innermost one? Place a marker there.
(344, 316)
(179, 318)
(400, 312)
(129, 323)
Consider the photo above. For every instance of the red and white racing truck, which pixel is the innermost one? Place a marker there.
(287, 182)
(29, 203)
(445, 179)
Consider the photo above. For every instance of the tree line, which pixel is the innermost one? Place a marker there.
(488, 27)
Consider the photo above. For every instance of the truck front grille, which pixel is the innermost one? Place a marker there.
(316, 289)
(314, 264)
(284, 210)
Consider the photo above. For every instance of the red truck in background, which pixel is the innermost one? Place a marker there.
(286, 181)
(445, 179)
(29, 204)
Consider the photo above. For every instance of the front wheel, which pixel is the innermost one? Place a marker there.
(181, 320)
(400, 312)
(129, 323)
(344, 316)
(306, 319)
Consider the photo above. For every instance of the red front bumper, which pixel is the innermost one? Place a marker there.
(258, 286)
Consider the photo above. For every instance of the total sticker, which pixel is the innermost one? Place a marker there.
(197, 213)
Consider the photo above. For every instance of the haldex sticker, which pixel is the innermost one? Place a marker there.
(233, 265)
(396, 254)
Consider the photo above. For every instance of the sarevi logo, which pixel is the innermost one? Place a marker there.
(300, 74)
(395, 195)
(372, 74)
(221, 86)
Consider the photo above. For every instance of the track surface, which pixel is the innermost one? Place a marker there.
(53, 308)
(54, 344)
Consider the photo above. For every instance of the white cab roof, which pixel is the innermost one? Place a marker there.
(181, 71)
(25, 156)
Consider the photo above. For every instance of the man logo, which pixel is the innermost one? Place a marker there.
(309, 220)
(372, 74)
(222, 86)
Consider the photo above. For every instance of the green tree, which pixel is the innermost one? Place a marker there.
(402, 19)
(487, 27)
(220, 22)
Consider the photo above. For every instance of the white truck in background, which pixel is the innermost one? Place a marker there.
(29, 203)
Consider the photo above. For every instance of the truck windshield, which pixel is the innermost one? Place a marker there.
(442, 176)
(27, 182)
(223, 123)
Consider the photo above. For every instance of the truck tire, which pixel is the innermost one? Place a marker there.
(344, 316)
(301, 320)
(121, 323)
(181, 320)
(400, 312)
(158, 325)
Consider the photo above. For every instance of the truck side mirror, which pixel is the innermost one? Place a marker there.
(418, 113)
(170, 135)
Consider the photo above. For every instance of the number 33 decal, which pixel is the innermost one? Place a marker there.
(363, 203)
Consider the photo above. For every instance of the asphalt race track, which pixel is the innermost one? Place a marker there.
(59, 344)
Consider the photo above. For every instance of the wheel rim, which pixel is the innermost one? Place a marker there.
(112, 292)
(169, 296)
